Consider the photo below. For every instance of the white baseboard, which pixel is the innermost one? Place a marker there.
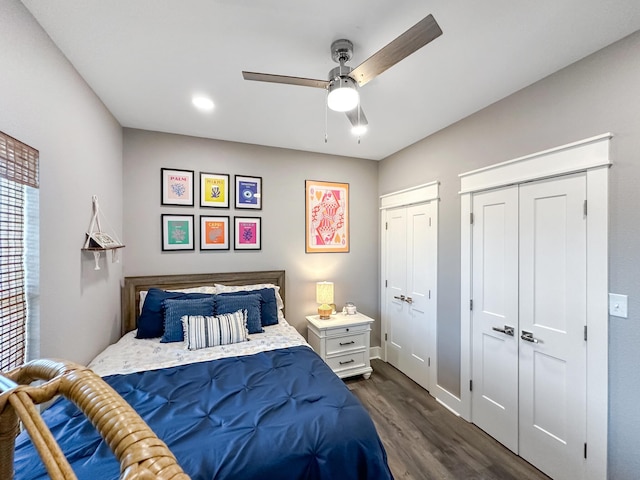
(375, 352)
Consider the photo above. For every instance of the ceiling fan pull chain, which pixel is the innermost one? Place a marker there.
(359, 122)
(326, 135)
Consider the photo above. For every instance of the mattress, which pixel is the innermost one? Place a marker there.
(130, 354)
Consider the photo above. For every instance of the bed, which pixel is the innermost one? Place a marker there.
(266, 408)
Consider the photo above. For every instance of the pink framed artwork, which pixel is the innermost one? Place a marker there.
(247, 233)
(327, 217)
(177, 187)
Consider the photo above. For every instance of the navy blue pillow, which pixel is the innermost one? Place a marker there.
(269, 307)
(151, 320)
(251, 303)
(176, 308)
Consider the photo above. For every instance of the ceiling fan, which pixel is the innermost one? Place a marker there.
(343, 81)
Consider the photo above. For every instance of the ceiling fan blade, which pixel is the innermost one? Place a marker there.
(357, 119)
(303, 82)
(410, 41)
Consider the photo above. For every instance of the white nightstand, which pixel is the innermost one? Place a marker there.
(343, 342)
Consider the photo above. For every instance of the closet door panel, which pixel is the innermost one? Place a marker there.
(495, 311)
(398, 331)
(420, 278)
(552, 320)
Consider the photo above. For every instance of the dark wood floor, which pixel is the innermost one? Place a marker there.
(424, 440)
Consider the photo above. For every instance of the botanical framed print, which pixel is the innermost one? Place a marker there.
(177, 187)
(247, 233)
(248, 192)
(177, 232)
(214, 190)
(327, 216)
(214, 233)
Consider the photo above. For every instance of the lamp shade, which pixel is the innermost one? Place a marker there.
(324, 292)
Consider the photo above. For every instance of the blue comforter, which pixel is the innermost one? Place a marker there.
(281, 414)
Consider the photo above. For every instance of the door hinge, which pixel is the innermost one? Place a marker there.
(585, 208)
(471, 218)
(585, 333)
(585, 449)
(471, 304)
(385, 337)
(471, 385)
(386, 225)
(429, 221)
(428, 361)
(429, 294)
(386, 283)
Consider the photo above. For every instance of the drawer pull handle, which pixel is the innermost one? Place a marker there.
(348, 361)
(347, 343)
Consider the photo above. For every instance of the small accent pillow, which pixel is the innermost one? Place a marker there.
(246, 288)
(142, 295)
(175, 309)
(268, 307)
(251, 303)
(151, 320)
(204, 331)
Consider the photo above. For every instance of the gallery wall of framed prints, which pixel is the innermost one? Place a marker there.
(213, 232)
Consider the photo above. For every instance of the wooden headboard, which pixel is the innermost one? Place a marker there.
(134, 285)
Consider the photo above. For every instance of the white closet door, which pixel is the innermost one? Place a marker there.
(495, 314)
(411, 276)
(553, 317)
(398, 332)
(420, 279)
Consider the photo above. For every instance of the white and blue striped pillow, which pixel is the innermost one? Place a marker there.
(209, 331)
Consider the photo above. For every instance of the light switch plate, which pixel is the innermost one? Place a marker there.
(618, 305)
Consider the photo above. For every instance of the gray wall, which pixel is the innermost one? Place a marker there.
(599, 94)
(46, 104)
(283, 174)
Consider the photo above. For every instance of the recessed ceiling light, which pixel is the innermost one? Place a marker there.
(202, 103)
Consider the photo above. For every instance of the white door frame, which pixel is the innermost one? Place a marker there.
(591, 156)
(427, 192)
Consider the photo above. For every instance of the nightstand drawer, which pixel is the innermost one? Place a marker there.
(345, 343)
(338, 331)
(348, 361)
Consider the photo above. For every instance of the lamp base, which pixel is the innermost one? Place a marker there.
(324, 311)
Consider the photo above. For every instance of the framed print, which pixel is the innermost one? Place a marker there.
(177, 232)
(214, 233)
(247, 233)
(177, 187)
(327, 216)
(214, 190)
(248, 192)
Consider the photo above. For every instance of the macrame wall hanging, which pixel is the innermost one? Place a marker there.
(97, 240)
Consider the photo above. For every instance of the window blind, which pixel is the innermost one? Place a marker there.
(18, 170)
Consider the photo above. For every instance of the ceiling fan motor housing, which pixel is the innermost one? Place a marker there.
(341, 50)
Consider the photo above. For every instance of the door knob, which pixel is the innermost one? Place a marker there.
(409, 300)
(401, 297)
(507, 330)
(528, 337)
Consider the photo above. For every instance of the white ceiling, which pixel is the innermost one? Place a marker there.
(146, 58)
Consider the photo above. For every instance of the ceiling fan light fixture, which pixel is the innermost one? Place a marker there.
(343, 94)
(359, 130)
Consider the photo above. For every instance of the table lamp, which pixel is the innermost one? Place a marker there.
(324, 296)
